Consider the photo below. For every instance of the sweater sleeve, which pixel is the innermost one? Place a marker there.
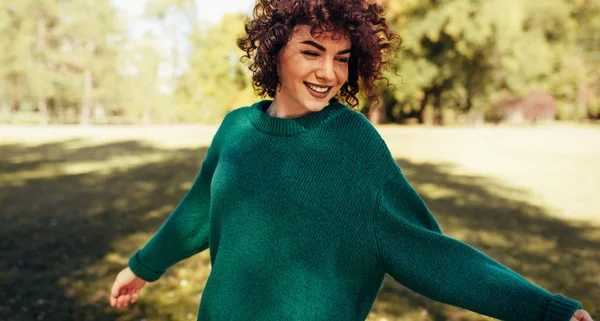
(184, 233)
(414, 251)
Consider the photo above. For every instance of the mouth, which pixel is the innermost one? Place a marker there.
(318, 91)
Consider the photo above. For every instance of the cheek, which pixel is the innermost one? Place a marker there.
(303, 68)
(342, 75)
(295, 71)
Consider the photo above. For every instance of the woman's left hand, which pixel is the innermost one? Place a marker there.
(581, 315)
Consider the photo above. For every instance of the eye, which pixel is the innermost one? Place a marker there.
(343, 60)
(310, 53)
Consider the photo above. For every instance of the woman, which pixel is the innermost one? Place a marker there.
(300, 201)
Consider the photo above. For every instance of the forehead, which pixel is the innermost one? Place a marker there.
(302, 32)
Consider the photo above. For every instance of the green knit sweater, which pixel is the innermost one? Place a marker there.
(304, 217)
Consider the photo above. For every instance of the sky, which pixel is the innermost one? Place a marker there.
(210, 11)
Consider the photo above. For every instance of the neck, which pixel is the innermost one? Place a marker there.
(272, 110)
(281, 108)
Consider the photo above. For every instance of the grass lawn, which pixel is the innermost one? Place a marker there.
(75, 202)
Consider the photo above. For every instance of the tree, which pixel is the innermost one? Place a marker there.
(461, 53)
(15, 51)
(214, 81)
(217, 81)
(57, 53)
(91, 34)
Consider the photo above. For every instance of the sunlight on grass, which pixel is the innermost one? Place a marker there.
(75, 168)
(556, 167)
(158, 213)
(435, 191)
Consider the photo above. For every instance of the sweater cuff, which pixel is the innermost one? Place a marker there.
(142, 271)
(561, 308)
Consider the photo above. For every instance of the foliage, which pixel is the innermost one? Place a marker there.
(217, 81)
(461, 54)
(59, 55)
(75, 61)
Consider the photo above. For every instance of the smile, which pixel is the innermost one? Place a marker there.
(319, 89)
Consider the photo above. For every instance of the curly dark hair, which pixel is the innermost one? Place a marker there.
(271, 27)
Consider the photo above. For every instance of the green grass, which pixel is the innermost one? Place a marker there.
(75, 202)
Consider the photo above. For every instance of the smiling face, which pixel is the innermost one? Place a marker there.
(311, 71)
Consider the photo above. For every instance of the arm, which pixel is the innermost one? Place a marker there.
(415, 252)
(184, 233)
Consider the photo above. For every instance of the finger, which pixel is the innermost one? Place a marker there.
(127, 297)
(114, 293)
(135, 295)
(119, 297)
(582, 315)
(123, 300)
(116, 288)
(119, 302)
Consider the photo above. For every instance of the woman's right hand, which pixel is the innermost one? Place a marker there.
(126, 288)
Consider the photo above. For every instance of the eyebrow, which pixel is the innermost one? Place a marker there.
(318, 46)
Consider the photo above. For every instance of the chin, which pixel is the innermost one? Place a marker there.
(316, 105)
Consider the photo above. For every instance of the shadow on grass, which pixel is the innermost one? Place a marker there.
(69, 151)
(65, 236)
(58, 233)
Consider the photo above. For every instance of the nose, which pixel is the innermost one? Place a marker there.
(326, 72)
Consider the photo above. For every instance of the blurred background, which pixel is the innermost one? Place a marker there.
(107, 109)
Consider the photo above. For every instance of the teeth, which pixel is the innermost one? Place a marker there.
(317, 89)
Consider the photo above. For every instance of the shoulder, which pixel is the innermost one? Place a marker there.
(356, 127)
(235, 115)
(233, 121)
(365, 141)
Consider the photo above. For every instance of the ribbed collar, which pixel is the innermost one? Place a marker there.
(290, 126)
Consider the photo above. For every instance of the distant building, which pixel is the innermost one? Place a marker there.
(536, 106)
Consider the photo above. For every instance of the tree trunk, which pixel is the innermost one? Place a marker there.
(582, 100)
(15, 106)
(14, 110)
(43, 51)
(437, 107)
(53, 116)
(146, 115)
(151, 104)
(43, 108)
(86, 102)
